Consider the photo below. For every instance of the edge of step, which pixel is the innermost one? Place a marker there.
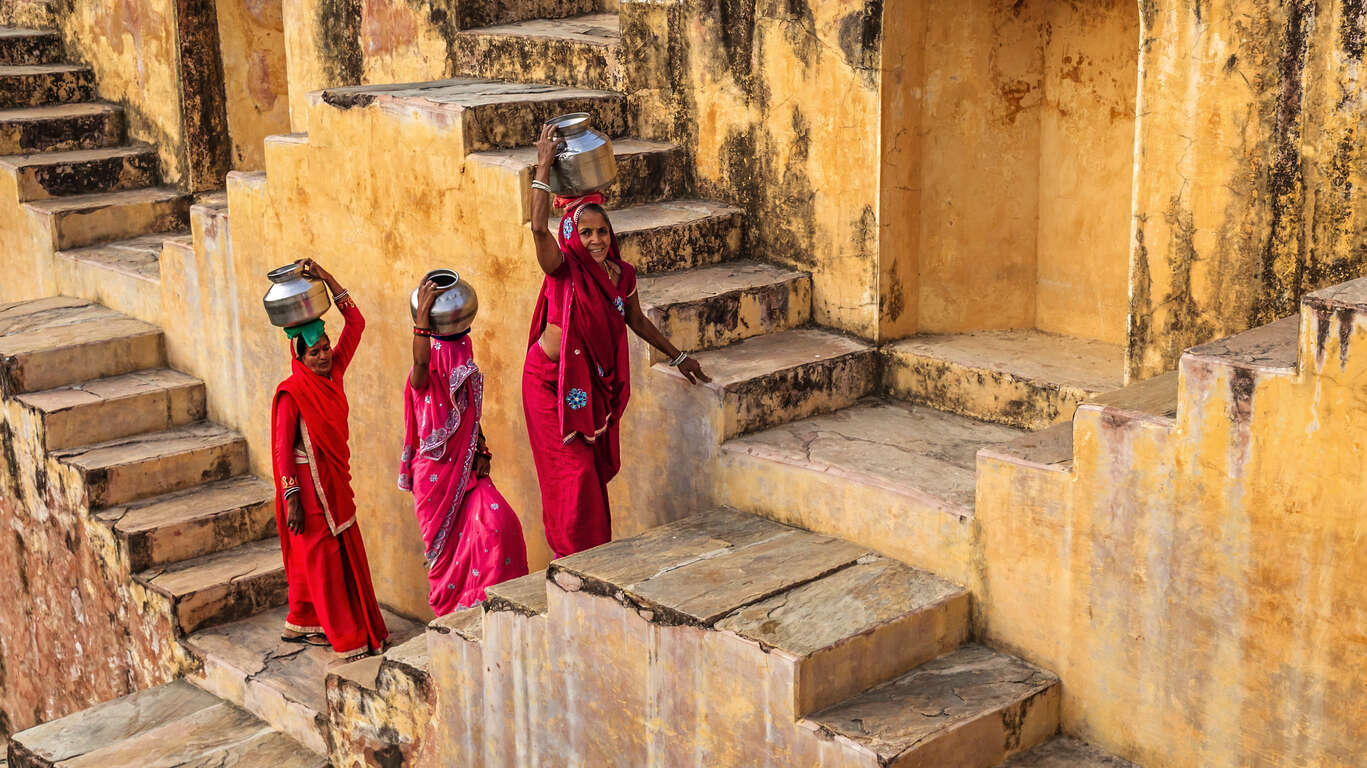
(222, 586)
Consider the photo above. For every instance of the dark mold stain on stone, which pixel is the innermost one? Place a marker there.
(1241, 386)
(1352, 28)
(1345, 318)
(860, 34)
(339, 40)
(1322, 320)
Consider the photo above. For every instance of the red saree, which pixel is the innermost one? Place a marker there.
(574, 406)
(326, 567)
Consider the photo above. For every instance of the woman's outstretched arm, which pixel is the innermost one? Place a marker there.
(422, 344)
(641, 326)
(547, 251)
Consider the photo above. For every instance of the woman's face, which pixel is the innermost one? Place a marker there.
(595, 235)
(318, 358)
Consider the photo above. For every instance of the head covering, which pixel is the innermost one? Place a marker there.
(311, 331)
(594, 381)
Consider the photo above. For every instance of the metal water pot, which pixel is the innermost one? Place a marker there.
(456, 305)
(585, 162)
(294, 299)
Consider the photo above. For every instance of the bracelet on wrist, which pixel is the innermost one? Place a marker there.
(419, 331)
(676, 362)
(543, 186)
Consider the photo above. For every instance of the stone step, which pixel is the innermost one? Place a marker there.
(60, 341)
(117, 406)
(195, 522)
(29, 46)
(647, 171)
(83, 171)
(34, 85)
(675, 235)
(972, 708)
(58, 127)
(222, 586)
(1024, 378)
(582, 51)
(484, 14)
(138, 258)
(781, 377)
(494, 114)
(81, 220)
(247, 663)
(384, 705)
(519, 686)
(1066, 752)
(455, 652)
(1270, 349)
(175, 724)
(911, 450)
(714, 306)
(154, 463)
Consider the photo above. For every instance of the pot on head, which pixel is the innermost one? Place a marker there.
(294, 299)
(584, 162)
(456, 305)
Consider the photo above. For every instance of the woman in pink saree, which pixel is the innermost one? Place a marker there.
(472, 537)
(577, 375)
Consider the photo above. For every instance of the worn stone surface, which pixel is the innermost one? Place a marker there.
(455, 655)
(1066, 752)
(781, 377)
(1026, 379)
(381, 710)
(714, 306)
(1270, 347)
(251, 38)
(78, 220)
(647, 171)
(50, 174)
(580, 51)
(118, 406)
(679, 234)
(58, 342)
(138, 258)
(60, 127)
(153, 463)
(524, 710)
(481, 14)
(32, 85)
(199, 521)
(1048, 448)
(971, 707)
(525, 595)
(29, 46)
(221, 586)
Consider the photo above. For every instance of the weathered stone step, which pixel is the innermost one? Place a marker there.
(248, 664)
(83, 171)
(195, 522)
(780, 377)
(60, 127)
(154, 463)
(911, 450)
(717, 305)
(117, 406)
(494, 114)
(972, 708)
(1270, 348)
(1066, 752)
(456, 660)
(581, 51)
(60, 341)
(384, 705)
(138, 258)
(33, 85)
(647, 171)
(170, 725)
(675, 235)
(81, 220)
(222, 586)
(519, 689)
(29, 46)
(1023, 378)
(484, 14)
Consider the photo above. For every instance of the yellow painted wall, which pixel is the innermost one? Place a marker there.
(252, 35)
(1197, 584)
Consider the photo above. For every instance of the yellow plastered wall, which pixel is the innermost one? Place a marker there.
(252, 40)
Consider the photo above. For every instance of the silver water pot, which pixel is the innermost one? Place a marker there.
(584, 162)
(294, 299)
(456, 305)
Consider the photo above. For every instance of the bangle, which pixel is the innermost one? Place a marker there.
(543, 186)
(421, 331)
(338, 297)
(676, 361)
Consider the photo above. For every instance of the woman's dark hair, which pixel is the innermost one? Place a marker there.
(299, 347)
(595, 208)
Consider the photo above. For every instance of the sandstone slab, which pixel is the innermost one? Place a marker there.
(31, 85)
(221, 586)
(194, 522)
(82, 171)
(713, 306)
(581, 51)
(81, 220)
(58, 127)
(138, 258)
(153, 463)
(29, 46)
(57, 342)
(647, 171)
(1066, 752)
(117, 406)
(679, 234)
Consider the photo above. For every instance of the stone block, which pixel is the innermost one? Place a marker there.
(456, 658)
(381, 708)
(60, 127)
(154, 463)
(32, 85)
(56, 342)
(29, 46)
(674, 235)
(484, 13)
(80, 220)
(523, 703)
(582, 52)
(221, 587)
(83, 171)
(119, 406)
(711, 307)
(1066, 752)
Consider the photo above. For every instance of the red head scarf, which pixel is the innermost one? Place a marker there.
(324, 411)
(595, 373)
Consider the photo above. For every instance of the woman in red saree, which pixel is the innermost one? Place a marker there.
(473, 539)
(577, 377)
(330, 593)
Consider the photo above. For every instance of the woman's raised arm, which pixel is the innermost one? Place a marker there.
(547, 250)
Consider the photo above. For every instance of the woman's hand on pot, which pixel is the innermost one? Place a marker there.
(692, 371)
(546, 146)
(294, 518)
(427, 296)
(315, 270)
(483, 463)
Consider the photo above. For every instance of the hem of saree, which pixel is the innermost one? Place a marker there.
(589, 438)
(298, 628)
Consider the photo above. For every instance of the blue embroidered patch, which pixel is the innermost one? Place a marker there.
(621, 309)
(567, 227)
(576, 399)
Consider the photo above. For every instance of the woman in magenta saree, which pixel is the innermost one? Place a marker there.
(472, 537)
(577, 376)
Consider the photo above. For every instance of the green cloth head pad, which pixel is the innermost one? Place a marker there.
(311, 331)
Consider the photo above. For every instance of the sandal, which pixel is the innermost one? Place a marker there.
(315, 639)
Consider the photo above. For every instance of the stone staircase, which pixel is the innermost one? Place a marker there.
(194, 535)
(95, 196)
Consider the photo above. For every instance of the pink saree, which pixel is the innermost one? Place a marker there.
(473, 539)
